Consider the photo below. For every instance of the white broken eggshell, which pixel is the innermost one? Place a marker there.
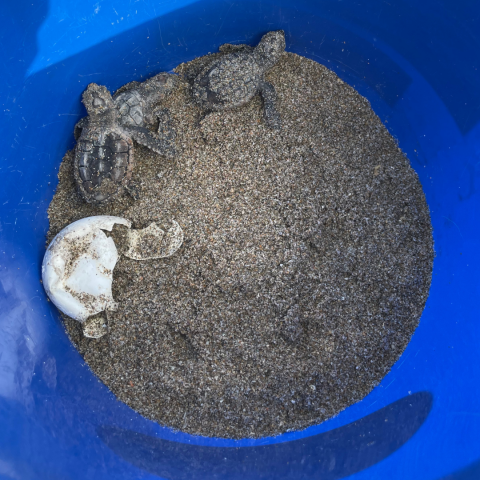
(95, 327)
(77, 269)
(151, 242)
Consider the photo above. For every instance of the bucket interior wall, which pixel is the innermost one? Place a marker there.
(418, 63)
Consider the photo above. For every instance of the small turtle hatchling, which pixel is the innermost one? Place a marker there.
(104, 154)
(232, 79)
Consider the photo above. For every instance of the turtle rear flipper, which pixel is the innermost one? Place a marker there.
(133, 190)
(269, 96)
(146, 138)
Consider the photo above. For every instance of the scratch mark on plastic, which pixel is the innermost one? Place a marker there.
(390, 383)
(450, 220)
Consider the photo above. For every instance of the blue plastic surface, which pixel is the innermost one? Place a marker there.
(419, 65)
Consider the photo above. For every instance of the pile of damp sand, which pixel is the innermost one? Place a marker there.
(305, 267)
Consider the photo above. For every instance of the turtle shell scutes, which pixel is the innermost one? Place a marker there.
(131, 107)
(231, 81)
(103, 164)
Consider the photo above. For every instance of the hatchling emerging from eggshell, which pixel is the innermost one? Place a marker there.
(104, 154)
(235, 77)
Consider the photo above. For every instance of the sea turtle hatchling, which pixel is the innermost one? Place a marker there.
(136, 103)
(235, 77)
(104, 154)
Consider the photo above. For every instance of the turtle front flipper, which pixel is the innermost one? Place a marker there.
(190, 71)
(269, 96)
(230, 48)
(79, 126)
(159, 86)
(146, 138)
(165, 127)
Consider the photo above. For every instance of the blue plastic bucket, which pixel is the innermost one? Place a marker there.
(418, 63)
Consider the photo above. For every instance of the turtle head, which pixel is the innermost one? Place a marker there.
(270, 48)
(97, 99)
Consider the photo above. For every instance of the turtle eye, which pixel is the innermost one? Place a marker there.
(98, 102)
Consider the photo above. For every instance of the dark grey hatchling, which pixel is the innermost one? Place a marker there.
(104, 154)
(238, 74)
